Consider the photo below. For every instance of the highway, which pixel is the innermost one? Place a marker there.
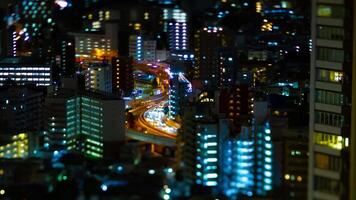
(148, 112)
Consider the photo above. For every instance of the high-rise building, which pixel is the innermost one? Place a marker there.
(21, 109)
(247, 159)
(177, 36)
(227, 64)
(21, 145)
(237, 175)
(136, 47)
(236, 103)
(332, 164)
(142, 49)
(200, 138)
(122, 75)
(179, 91)
(208, 42)
(55, 119)
(175, 14)
(149, 50)
(98, 77)
(66, 57)
(95, 124)
(294, 168)
(24, 71)
(94, 46)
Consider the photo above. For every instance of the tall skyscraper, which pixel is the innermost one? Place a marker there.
(99, 77)
(177, 36)
(21, 109)
(122, 75)
(331, 153)
(95, 124)
(208, 42)
(23, 71)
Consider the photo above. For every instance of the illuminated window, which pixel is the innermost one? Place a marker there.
(326, 139)
(146, 16)
(329, 76)
(324, 11)
(327, 162)
(330, 11)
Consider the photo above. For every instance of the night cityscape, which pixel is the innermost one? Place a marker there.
(177, 99)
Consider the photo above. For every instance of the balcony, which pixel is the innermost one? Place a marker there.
(330, 43)
(329, 65)
(325, 196)
(327, 173)
(328, 129)
(330, 21)
(328, 86)
(332, 1)
(326, 150)
(328, 107)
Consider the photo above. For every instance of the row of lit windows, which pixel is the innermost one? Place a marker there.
(23, 74)
(24, 69)
(332, 11)
(330, 140)
(329, 75)
(27, 79)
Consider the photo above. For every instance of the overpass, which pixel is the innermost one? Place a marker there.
(150, 138)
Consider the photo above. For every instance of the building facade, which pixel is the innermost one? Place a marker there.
(95, 122)
(332, 113)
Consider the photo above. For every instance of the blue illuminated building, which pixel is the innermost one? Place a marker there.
(180, 88)
(207, 155)
(237, 165)
(263, 163)
(246, 160)
(178, 35)
(136, 47)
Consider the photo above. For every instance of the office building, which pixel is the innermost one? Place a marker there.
(94, 46)
(236, 103)
(173, 14)
(178, 36)
(142, 49)
(247, 158)
(66, 57)
(95, 124)
(208, 42)
(136, 47)
(199, 155)
(227, 64)
(21, 109)
(20, 146)
(180, 89)
(332, 164)
(55, 119)
(149, 50)
(122, 75)
(23, 71)
(294, 170)
(99, 77)
(238, 158)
